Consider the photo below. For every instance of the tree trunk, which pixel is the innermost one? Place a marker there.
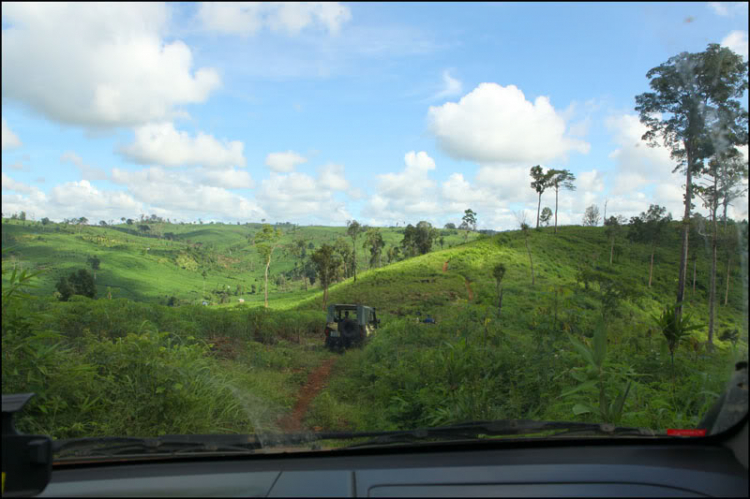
(712, 291)
(685, 231)
(499, 299)
(556, 191)
(726, 293)
(268, 264)
(528, 250)
(354, 258)
(538, 207)
(651, 267)
(695, 272)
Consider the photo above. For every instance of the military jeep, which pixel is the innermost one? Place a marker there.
(349, 325)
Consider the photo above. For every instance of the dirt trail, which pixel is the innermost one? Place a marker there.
(445, 266)
(316, 381)
(468, 289)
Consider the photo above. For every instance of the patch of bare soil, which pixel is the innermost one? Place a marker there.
(468, 289)
(316, 381)
(445, 266)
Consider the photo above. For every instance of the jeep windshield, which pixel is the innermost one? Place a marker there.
(304, 227)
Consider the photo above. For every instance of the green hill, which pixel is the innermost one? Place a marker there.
(526, 361)
(170, 259)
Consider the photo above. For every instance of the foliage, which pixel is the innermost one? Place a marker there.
(675, 328)
(546, 216)
(591, 217)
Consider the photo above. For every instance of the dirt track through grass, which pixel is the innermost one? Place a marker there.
(316, 381)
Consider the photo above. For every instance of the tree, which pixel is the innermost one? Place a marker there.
(95, 263)
(418, 240)
(498, 272)
(541, 181)
(393, 254)
(722, 174)
(441, 241)
(64, 288)
(22, 216)
(82, 283)
(374, 240)
(692, 94)
(45, 222)
(546, 216)
(130, 221)
(591, 216)
(344, 252)
(326, 263)
(102, 223)
(613, 228)
(144, 228)
(561, 179)
(450, 225)
(469, 221)
(266, 241)
(353, 230)
(81, 221)
(649, 228)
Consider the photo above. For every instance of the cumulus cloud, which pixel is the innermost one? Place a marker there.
(300, 196)
(178, 193)
(109, 63)
(284, 162)
(10, 184)
(160, 143)
(496, 124)
(247, 18)
(228, 179)
(87, 172)
(71, 199)
(451, 86)
(637, 164)
(9, 139)
(728, 9)
(737, 42)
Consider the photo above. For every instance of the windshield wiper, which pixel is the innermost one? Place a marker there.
(168, 444)
(476, 430)
(97, 447)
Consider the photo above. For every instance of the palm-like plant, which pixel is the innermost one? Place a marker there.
(675, 327)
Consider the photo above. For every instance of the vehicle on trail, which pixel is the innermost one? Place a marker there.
(349, 325)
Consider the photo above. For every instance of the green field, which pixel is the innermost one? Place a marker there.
(238, 368)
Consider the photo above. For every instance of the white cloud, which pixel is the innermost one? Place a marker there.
(247, 18)
(87, 172)
(637, 164)
(284, 162)
(737, 42)
(177, 193)
(109, 63)
(497, 124)
(12, 185)
(451, 86)
(160, 143)
(332, 177)
(298, 196)
(719, 8)
(9, 139)
(228, 179)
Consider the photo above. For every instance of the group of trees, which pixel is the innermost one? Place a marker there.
(694, 111)
(543, 180)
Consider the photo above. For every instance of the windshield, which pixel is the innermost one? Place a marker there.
(365, 221)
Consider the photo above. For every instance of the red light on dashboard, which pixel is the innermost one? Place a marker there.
(695, 432)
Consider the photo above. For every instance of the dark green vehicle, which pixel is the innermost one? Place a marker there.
(349, 325)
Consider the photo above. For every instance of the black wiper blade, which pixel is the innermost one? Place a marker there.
(168, 444)
(478, 429)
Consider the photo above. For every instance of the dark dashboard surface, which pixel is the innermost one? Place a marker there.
(594, 471)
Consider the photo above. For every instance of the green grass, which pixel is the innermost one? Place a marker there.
(473, 364)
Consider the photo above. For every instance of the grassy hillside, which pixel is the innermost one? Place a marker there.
(476, 363)
(149, 267)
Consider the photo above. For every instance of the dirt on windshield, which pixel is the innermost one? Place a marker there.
(316, 381)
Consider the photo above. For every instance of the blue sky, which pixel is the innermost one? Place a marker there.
(315, 113)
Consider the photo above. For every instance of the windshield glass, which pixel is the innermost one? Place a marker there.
(344, 220)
